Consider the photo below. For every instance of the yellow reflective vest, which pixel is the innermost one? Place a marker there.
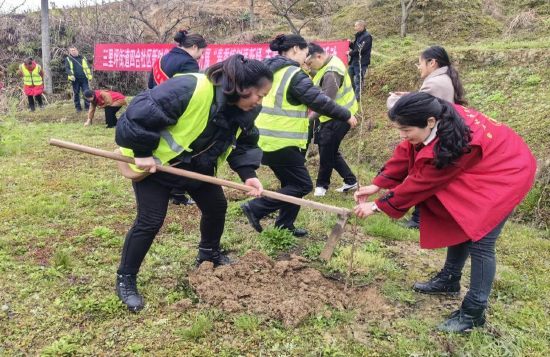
(280, 123)
(177, 138)
(85, 67)
(31, 78)
(345, 95)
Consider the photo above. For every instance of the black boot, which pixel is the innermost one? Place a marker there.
(252, 219)
(126, 289)
(31, 108)
(440, 284)
(181, 198)
(212, 255)
(463, 320)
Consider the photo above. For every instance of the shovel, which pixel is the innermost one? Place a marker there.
(343, 213)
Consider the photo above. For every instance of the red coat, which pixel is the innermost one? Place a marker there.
(463, 201)
(115, 96)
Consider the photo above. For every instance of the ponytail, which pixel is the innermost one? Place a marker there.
(439, 54)
(236, 74)
(454, 134)
(282, 43)
(186, 40)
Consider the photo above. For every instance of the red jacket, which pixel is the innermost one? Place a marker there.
(115, 96)
(463, 201)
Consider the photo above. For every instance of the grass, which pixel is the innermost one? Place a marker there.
(64, 216)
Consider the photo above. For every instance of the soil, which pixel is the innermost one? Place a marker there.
(286, 290)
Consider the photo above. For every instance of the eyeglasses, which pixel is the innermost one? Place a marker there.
(308, 57)
(420, 64)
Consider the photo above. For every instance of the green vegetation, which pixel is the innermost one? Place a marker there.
(64, 216)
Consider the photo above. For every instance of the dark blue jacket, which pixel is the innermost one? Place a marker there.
(174, 62)
(150, 111)
(363, 38)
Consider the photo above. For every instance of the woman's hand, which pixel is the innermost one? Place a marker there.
(363, 210)
(352, 122)
(254, 182)
(400, 94)
(361, 195)
(146, 164)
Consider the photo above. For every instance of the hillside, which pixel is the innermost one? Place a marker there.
(64, 215)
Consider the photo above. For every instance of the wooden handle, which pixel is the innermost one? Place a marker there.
(204, 178)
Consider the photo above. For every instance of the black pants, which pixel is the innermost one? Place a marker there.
(110, 116)
(483, 265)
(80, 85)
(416, 215)
(38, 100)
(152, 204)
(331, 134)
(296, 182)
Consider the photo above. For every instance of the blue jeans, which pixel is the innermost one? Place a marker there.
(483, 265)
(78, 85)
(353, 71)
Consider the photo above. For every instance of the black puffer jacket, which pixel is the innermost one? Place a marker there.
(174, 62)
(301, 91)
(150, 111)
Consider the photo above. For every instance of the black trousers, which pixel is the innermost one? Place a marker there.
(152, 203)
(80, 85)
(31, 100)
(296, 182)
(483, 268)
(416, 215)
(110, 116)
(331, 134)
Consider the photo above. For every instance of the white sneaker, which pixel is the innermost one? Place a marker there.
(320, 191)
(347, 188)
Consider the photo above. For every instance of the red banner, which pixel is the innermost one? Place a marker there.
(142, 56)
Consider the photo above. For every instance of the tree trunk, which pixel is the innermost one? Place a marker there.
(46, 55)
(252, 14)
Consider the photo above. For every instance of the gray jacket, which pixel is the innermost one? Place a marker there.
(438, 84)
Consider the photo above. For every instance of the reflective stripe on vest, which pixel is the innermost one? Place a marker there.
(87, 71)
(177, 138)
(31, 78)
(280, 123)
(345, 95)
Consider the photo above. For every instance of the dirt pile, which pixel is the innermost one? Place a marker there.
(286, 290)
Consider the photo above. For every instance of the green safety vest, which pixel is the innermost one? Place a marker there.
(280, 123)
(31, 78)
(85, 67)
(176, 139)
(345, 95)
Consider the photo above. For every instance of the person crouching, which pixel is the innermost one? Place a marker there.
(109, 100)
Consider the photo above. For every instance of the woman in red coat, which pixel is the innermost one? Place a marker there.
(33, 83)
(467, 173)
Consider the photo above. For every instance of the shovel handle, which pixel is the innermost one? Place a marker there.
(193, 175)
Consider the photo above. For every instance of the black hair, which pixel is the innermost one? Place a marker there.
(439, 54)
(283, 43)
(90, 93)
(237, 73)
(315, 48)
(186, 40)
(454, 134)
(28, 60)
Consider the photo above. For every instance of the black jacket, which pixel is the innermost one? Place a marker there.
(77, 67)
(138, 129)
(364, 38)
(174, 62)
(301, 91)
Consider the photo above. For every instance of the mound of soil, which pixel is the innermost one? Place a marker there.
(286, 290)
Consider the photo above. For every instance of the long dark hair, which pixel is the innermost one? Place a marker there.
(238, 73)
(439, 54)
(283, 43)
(454, 134)
(186, 40)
